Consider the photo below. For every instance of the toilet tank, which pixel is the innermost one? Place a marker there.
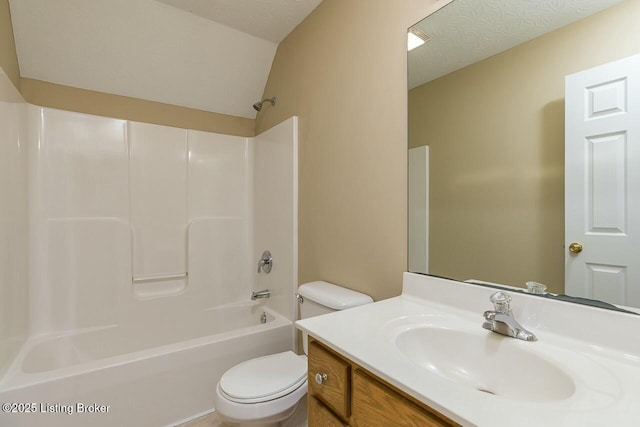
(316, 298)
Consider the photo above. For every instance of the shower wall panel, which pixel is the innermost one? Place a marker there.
(276, 212)
(115, 201)
(158, 197)
(80, 218)
(219, 206)
(76, 191)
(13, 223)
(158, 159)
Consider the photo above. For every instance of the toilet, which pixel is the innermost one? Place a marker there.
(266, 391)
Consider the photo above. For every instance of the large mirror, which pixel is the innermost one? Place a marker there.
(492, 195)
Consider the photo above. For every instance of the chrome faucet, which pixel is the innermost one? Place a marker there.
(501, 320)
(265, 293)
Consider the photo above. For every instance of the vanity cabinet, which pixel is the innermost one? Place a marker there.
(320, 415)
(342, 393)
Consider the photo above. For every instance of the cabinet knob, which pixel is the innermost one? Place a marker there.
(321, 378)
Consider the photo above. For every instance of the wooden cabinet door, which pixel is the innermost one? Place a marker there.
(374, 404)
(335, 389)
(321, 416)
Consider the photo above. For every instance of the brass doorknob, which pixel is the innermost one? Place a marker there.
(575, 248)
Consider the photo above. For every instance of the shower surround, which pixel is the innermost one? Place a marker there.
(142, 253)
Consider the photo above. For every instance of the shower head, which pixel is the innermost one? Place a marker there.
(258, 105)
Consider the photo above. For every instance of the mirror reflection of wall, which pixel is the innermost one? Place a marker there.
(495, 132)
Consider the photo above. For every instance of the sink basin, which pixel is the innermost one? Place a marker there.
(487, 362)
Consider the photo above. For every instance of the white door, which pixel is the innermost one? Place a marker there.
(602, 182)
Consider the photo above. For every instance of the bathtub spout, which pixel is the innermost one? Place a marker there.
(266, 293)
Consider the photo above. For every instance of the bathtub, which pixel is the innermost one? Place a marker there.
(142, 375)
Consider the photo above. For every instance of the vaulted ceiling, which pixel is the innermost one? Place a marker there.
(212, 55)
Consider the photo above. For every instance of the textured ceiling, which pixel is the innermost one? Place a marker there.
(468, 31)
(149, 50)
(271, 20)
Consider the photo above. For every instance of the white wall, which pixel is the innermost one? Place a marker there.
(13, 222)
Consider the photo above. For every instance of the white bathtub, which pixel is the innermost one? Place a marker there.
(147, 375)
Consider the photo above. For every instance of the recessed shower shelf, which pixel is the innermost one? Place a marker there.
(159, 278)
(159, 286)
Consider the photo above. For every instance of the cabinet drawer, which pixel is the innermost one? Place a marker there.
(335, 389)
(320, 416)
(375, 404)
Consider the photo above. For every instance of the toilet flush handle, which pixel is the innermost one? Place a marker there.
(321, 378)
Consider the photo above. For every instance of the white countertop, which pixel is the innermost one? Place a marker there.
(598, 349)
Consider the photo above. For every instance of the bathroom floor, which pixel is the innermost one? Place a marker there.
(211, 420)
(298, 419)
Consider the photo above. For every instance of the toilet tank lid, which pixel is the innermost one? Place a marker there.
(333, 296)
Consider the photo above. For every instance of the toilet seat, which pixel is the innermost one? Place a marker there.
(265, 378)
(271, 411)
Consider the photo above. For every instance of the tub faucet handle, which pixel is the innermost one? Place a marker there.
(266, 262)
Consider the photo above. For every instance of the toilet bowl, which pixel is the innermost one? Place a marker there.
(262, 391)
(266, 391)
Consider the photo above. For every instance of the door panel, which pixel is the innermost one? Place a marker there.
(602, 182)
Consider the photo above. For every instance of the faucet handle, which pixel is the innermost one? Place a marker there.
(266, 262)
(501, 302)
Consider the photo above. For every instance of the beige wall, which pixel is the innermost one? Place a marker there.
(8, 57)
(104, 104)
(343, 72)
(495, 132)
